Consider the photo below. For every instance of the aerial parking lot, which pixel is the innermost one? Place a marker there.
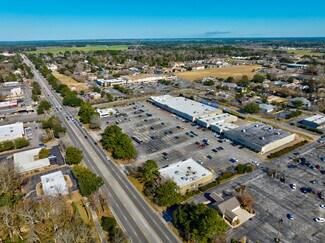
(167, 138)
(282, 210)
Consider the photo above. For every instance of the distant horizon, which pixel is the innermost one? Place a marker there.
(165, 38)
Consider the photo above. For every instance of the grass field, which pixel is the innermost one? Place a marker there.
(225, 72)
(56, 50)
(305, 52)
(70, 81)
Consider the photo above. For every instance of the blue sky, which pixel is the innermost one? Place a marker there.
(99, 19)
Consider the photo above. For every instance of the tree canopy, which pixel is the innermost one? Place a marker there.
(167, 194)
(252, 108)
(86, 112)
(114, 140)
(199, 222)
(71, 99)
(258, 78)
(73, 155)
(43, 106)
(149, 171)
(43, 153)
(88, 181)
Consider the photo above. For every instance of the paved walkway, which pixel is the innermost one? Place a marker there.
(100, 231)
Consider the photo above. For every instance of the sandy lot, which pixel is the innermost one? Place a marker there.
(225, 72)
(70, 81)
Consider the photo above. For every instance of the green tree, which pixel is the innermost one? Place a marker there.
(109, 224)
(149, 171)
(258, 78)
(35, 97)
(208, 83)
(43, 153)
(230, 79)
(241, 168)
(117, 142)
(199, 222)
(96, 89)
(298, 103)
(86, 112)
(167, 194)
(71, 99)
(244, 81)
(88, 182)
(109, 97)
(290, 80)
(43, 106)
(252, 108)
(20, 143)
(73, 155)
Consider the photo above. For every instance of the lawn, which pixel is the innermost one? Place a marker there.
(305, 52)
(64, 79)
(56, 50)
(224, 72)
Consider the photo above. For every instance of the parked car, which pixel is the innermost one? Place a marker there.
(293, 186)
(322, 205)
(306, 190)
(314, 182)
(290, 216)
(319, 220)
(255, 163)
(233, 160)
(209, 157)
(292, 166)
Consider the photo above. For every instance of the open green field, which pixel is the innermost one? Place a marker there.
(306, 52)
(56, 50)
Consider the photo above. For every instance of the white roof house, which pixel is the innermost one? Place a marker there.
(266, 108)
(54, 184)
(28, 160)
(11, 131)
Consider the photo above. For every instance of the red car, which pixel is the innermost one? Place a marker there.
(317, 167)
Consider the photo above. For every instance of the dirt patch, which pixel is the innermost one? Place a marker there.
(72, 83)
(224, 72)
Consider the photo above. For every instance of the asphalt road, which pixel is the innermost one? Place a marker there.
(139, 221)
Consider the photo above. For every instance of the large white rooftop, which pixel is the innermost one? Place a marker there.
(11, 131)
(54, 184)
(318, 119)
(184, 105)
(184, 172)
(225, 117)
(27, 160)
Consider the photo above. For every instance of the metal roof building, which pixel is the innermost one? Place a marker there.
(260, 137)
(11, 131)
(54, 184)
(316, 121)
(183, 107)
(187, 174)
